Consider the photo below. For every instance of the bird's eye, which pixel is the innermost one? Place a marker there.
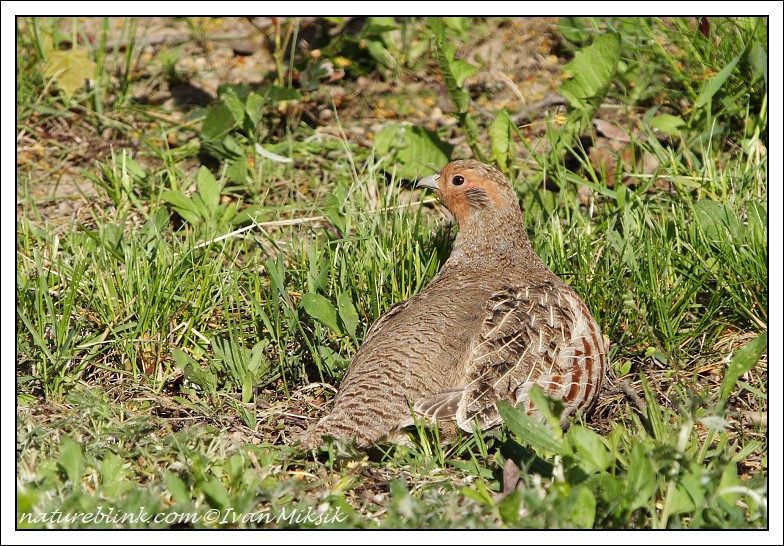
(457, 180)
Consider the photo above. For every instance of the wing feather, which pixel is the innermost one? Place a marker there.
(541, 334)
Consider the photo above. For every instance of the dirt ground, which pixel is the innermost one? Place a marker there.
(517, 60)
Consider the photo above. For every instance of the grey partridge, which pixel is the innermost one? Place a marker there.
(494, 322)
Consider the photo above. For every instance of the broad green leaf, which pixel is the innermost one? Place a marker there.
(234, 357)
(176, 487)
(640, 479)
(233, 147)
(509, 508)
(45, 42)
(247, 214)
(626, 367)
(235, 105)
(717, 221)
(258, 362)
(215, 492)
(225, 218)
(592, 71)
(528, 430)
(742, 361)
(729, 480)
(321, 309)
(757, 217)
(471, 468)
(501, 139)
(239, 90)
(111, 467)
(449, 67)
(184, 206)
(611, 487)
(592, 453)
(454, 72)
(415, 150)
(458, 24)
(583, 509)
(247, 387)
(336, 218)
(132, 168)
(712, 86)
(624, 249)
(380, 54)
(402, 501)
(218, 122)
(70, 69)
(668, 124)
(26, 502)
(26, 400)
(417, 49)
(71, 460)
(462, 70)
(237, 170)
(542, 403)
(758, 59)
(575, 29)
(276, 93)
(689, 493)
(480, 494)
(113, 477)
(332, 359)
(348, 314)
(203, 378)
(254, 107)
(680, 501)
(209, 189)
(380, 25)
(181, 358)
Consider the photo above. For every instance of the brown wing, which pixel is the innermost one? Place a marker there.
(443, 406)
(541, 335)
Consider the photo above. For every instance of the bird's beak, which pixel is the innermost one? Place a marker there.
(429, 182)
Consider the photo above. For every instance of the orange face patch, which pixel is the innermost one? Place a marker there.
(465, 189)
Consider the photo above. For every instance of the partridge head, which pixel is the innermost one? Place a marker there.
(494, 322)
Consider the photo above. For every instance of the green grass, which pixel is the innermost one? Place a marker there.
(166, 356)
